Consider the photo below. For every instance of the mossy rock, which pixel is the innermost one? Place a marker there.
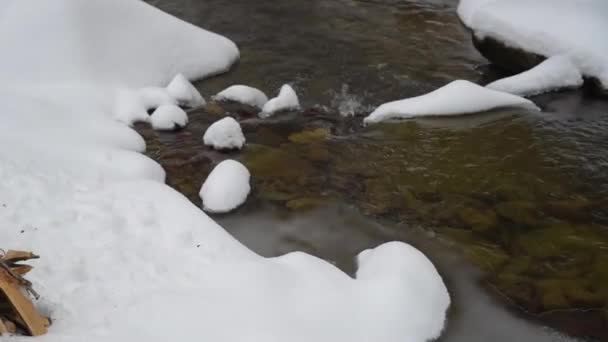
(580, 242)
(317, 152)
(560, 294)
(577, 209)
(310, 136)
(306, 203)
(512, 192)
(267, 136)
(520, 212)
(267, 162)
(481, 221)
(380, 197)
(215, 109)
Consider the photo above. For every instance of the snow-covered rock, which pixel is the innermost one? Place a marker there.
(286, 100)
(226, 187)
(243, 94)
(399, 262)
(575, 29)
(184, 92)
(225, 134)
(456, 98)
(553, 74)
(169, 117)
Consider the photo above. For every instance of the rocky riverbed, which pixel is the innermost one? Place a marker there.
(522, 195)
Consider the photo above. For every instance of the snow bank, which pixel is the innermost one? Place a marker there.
(154, 97)
(225, 134)
(554, 73)
(143, 46)
(575, 29)
(169, 117)
(125, 257)
(226, 187)
(184, 92)
(286, 100)
(456, 98)
(243, 94)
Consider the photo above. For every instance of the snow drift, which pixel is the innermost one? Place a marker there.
(553, 74)
(134, 259)
(456, 98)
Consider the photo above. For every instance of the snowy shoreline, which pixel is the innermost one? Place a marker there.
(129, 248)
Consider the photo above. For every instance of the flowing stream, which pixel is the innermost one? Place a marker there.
(511, 205)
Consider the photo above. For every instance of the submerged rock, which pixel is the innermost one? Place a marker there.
(519, 212)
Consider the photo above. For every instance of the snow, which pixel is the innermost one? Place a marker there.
(575, 29)
(554, 73)
(79, 44)
(154, 97)
(225, 134)
(286, 100)
(456, 98)
(184, 92)
(123, 256)
(226, 187)
(243, 94)
(169, 117)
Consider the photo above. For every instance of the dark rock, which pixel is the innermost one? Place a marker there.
(509, 58)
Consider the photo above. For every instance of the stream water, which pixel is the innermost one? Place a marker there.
(511, 205)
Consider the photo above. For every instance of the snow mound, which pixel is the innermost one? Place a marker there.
(286, 100)
(225, 134)
(169, 117)
(394, 266)
(226, 187)
(575, 29)
(243, 94)
(456, 98)
(184, 92)
(554, 73)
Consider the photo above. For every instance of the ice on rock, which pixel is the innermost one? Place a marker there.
(169, 117)
(226, 187)
(243, 94)
(575, 29)
(225, 134)
(553, 74)
(286, 100)
(456, 98)
(184, 92)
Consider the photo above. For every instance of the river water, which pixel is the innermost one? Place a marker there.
(511, 205)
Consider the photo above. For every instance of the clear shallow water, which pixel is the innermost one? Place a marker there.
(338, 233)
(522, 195)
